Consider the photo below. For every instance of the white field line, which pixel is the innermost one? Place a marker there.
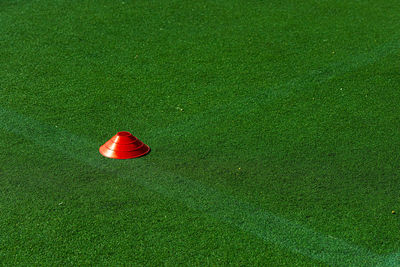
(245, 216)
(311, 81)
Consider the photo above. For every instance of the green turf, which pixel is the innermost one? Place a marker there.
(273, 127)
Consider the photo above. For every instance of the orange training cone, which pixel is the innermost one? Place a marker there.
(124, 145)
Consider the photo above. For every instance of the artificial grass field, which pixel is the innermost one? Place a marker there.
(274, 128)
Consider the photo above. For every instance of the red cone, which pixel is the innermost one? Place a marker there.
(124, 145)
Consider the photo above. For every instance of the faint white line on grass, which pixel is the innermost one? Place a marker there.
(313, 79)
(391, 260)
(245, 216)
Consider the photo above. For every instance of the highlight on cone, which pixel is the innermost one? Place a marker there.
(124, 145)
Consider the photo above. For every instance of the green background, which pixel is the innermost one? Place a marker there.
(274, 128)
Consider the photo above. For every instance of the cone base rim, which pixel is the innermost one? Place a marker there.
(124, 157)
